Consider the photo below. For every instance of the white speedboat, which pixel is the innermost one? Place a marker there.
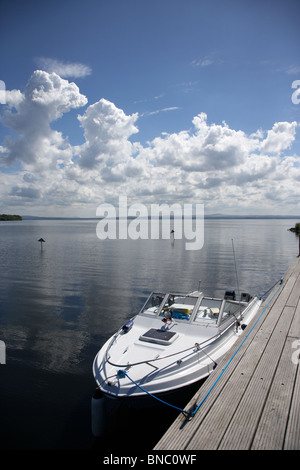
(174, 341)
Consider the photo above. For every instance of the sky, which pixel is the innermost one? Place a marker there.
(162, 101)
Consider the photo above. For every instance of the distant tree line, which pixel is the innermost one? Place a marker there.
(296, 229)
(10, 217)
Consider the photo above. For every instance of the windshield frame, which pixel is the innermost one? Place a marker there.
(158, 301)
(150, 309)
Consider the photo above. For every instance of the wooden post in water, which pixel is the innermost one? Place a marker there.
(42, 241)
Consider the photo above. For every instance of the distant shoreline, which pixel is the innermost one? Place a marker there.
(10, 217)
(208, 216)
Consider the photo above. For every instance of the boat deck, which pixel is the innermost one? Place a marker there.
(252, 399)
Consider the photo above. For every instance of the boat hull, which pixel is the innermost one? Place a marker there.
(147, 364)
(163, 376)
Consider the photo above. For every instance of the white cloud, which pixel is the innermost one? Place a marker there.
(106, 130)
(280, 137)
(202, 62)
(63, 69)
(163, 110)
(209, 147)
(46, 98)
(227, 170)
(293, 69)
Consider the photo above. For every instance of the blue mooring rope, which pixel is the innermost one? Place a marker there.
(122, 373)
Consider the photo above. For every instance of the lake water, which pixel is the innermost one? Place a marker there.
(59, 304)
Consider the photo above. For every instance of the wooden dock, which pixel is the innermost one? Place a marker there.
(252, 399)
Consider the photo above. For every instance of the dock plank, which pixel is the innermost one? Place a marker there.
(270, 433)
(238, 436)
(295, 327)
(294, 296)
(236, 386)
(254, 387)
(292, 438)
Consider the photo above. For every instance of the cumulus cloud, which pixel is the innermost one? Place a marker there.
(45, 99)
(106, 130)
(210, 163)
(279, 138)
(207, 148)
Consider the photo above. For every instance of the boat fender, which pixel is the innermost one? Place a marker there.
(98, 414)
(128, 325)
(243, 326)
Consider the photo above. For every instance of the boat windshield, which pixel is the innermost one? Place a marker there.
(178, 307)
(153, 304)
(231, 309)
(175, 306)
(208, 311)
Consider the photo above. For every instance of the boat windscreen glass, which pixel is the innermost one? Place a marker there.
(153, 304)
(208, 311)
(178, 307)
(231, 309)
